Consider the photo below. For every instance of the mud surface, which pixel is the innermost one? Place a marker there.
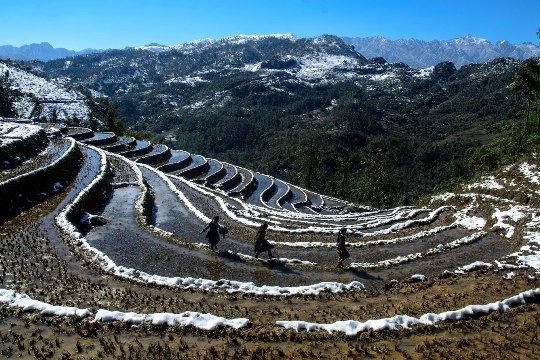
(39, 260)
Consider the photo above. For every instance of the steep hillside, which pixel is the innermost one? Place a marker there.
(461, 51)
(280, 104)
(41, 98)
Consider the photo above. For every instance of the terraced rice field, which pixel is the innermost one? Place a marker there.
(107, 261)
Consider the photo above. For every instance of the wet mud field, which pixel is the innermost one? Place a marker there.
(133, 256)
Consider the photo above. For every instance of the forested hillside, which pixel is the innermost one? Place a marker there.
(311, 111)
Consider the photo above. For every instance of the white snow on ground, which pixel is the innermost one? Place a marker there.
(18, 131)
(477, 265)
(188, 80)
(412, 257)
(276, 260)
(71, 102)
(424, 73)
(443, 197)
(529, 254)
(487, 182)
(12, 132)
(381, 77)
(188, 318)
(531, 172)
(472, 222)
(469, 222)
(314, 67)
(419, 277)
(13, 299)
(352, 327)
(509, 275)
(315, 244)
(513, 214)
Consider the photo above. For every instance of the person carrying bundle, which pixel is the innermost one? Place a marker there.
(261, 244)
(212, 235)
(341, 247)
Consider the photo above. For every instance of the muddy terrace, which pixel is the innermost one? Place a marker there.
(101, 257)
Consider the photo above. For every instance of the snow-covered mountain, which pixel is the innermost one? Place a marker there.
(42, 52)
(41, 98)
(157, 81)
(420, 54)
(261, 99)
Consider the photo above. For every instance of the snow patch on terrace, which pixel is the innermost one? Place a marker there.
(477, 265)
(487, 182)
(188, 318)
(442, 197)
(531, 172)
(352, 327)
(469, 222)
(11, 132)
(513, 214)
(529, 254)
(57, 185)
(13, 299)
(315, 244)
(416, 256)
(276, 260)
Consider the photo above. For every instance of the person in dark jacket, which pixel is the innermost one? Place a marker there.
(341, 247)
(213, 232)
(261, 244)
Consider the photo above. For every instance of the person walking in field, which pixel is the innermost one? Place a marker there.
(341, 247)
(212, 235)
(261, 244)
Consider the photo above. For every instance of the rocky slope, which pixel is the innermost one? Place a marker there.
(45, 99)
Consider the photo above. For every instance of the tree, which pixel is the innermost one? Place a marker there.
(310, 158)
(527, 81)
(7, 97)
(112, 122)
(377, 185)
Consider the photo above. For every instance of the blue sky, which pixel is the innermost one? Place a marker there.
(102, 24)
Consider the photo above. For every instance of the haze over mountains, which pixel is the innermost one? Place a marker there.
(461, 51)
(413, 52)
(42, 52)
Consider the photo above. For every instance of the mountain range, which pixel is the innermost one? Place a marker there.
(461, 51)
(42, 52)
(312, 111)
(309, 110)
(413, 52)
